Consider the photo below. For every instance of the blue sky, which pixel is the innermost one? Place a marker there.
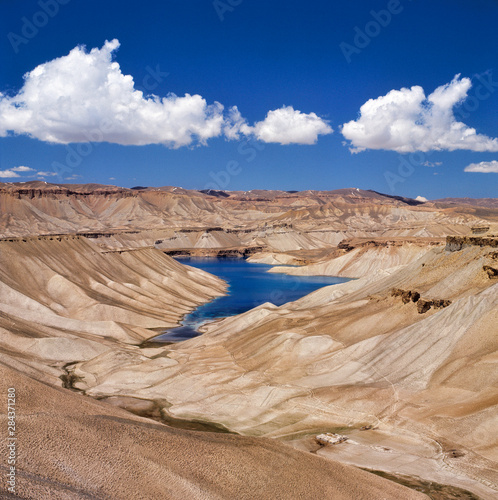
(294, 70)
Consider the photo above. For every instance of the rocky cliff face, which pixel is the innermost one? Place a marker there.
(455, 243)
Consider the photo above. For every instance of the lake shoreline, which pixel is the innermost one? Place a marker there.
(249, 285)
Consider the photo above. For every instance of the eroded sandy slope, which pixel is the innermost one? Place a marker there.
(343, 358)
(346, 356)
(72, 448)
(63, 300)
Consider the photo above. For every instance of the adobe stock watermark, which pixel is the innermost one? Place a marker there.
(372, 29)
(481, 92)
(152, 79)
(220, 180)
(406, 168)
(408, 164)
(76, 154)
(11, 440)
(221, 7)
(32, 25)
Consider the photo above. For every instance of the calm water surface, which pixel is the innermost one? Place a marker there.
(250, 285)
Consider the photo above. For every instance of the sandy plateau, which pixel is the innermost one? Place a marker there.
(398, 367)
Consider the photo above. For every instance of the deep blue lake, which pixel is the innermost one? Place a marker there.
(250, 285)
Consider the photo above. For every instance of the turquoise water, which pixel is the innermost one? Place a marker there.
(250, 285)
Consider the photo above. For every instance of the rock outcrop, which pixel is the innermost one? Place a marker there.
(455, 243)
(423, 305)
(492, 272)
(406, 295)
(238, 252)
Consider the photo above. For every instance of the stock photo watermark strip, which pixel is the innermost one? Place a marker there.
(11, 439)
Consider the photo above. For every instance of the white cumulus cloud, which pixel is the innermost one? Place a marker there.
(406, 121)
(423, 199)
(14, 172)
(85, 97)
(22, 169)
(236, 124)
(485, 167)
(5, 174)
(46, 174)
(289, 126)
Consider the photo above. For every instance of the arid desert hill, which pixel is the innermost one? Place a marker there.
(401, 360)
(63, 300)
(72, 448)
(192, 219)
(421, 374)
